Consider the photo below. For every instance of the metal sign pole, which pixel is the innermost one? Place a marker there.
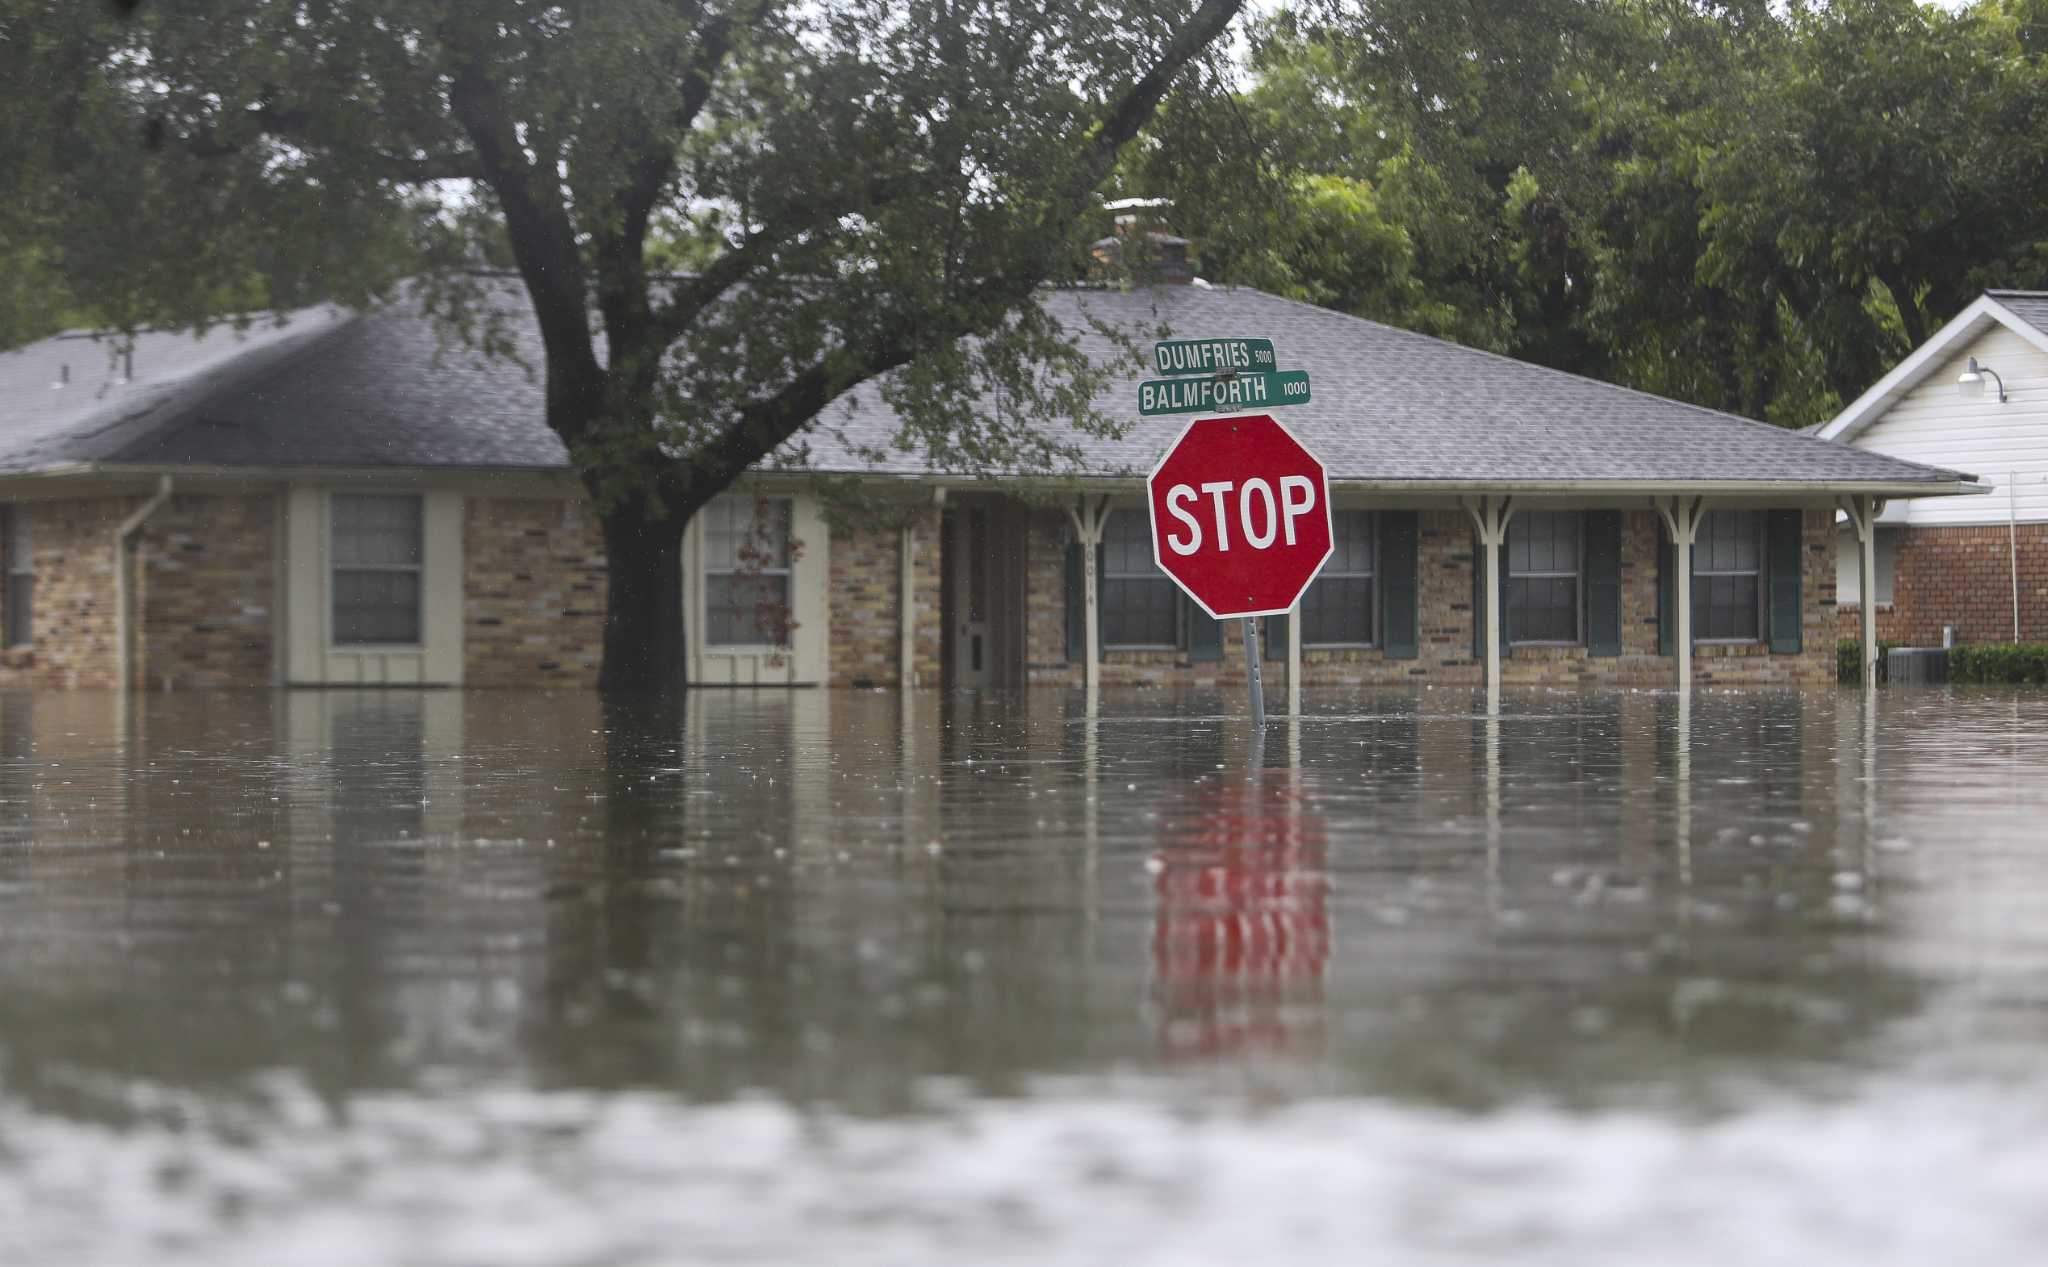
(1251, 660)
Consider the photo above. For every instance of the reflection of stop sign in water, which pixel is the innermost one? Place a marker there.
(1241, 934)
(1240, 515)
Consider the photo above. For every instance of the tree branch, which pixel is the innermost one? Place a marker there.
(765, 425)
(543, 244)
(1137, 104)
(296, 126)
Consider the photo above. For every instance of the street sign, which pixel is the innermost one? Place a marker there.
(1240, 515)
(1213, 356)
(1207, 395)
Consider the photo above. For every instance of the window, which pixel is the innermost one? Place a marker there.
(1727, 577)
(1849, 571)
(1337, 609)
(746, 571)
(1543, 576)
(1140, 605)
(18, 555)
(375, 546)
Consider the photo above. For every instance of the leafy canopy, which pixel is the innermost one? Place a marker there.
(848, 187)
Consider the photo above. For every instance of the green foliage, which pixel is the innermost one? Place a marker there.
(1991, 663)
(833, 192)
(1849, 660)
(1751, 206)
(2011, 663)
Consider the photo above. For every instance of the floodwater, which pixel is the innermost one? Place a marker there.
(401, 978)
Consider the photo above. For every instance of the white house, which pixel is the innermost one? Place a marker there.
(1973, 398)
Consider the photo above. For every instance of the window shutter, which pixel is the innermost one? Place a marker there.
(1781, 554)
(1275, 645)
(1507, 626)
(1478, 599)
(1205, 633)
(1603, 582)
(1397, 567)
(1077, 634)
(1667, 595)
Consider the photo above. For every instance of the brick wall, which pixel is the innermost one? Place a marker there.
(533, 594)
(71, 543)
(1961, 576)
(866, 601)
(204, 594)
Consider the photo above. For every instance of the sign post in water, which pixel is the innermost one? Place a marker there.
(1240, 509)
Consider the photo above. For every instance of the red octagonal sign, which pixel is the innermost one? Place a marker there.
(1240, 515)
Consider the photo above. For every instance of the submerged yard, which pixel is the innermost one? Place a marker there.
(810, 976)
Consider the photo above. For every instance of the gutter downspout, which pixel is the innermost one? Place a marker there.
(2012, 542)
(124, 544)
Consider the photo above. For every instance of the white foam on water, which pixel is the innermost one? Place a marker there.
(1907, 1174)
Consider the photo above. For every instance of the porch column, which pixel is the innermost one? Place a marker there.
(1088, 515)
(1294, 660)
(1491, 515)
(1682, 521)
(906, 615)
(1863, 510)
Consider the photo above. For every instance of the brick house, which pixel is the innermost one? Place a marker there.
(1977, 564)
(351, 499)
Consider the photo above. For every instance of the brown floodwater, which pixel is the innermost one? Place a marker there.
(490, 978)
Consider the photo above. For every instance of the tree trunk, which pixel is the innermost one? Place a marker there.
(643, 617)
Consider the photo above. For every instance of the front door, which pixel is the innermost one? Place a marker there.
(970, 558)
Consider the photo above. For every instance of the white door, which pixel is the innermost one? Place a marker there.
(969, 556)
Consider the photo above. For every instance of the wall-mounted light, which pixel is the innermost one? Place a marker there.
(1971, 380)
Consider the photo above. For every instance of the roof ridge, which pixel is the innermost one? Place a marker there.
(2015, 293)
(229, 377)
(97, 333)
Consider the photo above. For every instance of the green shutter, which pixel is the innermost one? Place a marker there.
(1782, 543)
(1275, 646)
(1205, 633)
(1507, 616)
(1478, 599)
(1603, 582)
(1077, 634)
(1399, 608)
(1667, 595)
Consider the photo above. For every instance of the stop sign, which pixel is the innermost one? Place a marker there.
(1240, 515)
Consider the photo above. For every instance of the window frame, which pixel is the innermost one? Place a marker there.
(1372, 578)
(1577, 575)
(785, 570)
(1762, 575)
(417, 569)
(13, 565)
(1151, 574)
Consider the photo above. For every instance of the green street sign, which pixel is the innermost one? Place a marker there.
(1214, 356)
(1208, 395)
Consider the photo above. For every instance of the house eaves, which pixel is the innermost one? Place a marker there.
(1988, 311)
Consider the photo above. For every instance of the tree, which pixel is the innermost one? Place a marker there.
(864, 186)
(1752, 205)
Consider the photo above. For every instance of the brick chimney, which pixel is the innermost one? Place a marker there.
(1142, 244)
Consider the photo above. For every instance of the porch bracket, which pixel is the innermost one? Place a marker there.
(1682, 521)
(1491, 516)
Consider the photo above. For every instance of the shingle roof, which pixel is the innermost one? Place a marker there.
(1389, 404)
(2030, 306)
(387, 389)
(70, 398)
